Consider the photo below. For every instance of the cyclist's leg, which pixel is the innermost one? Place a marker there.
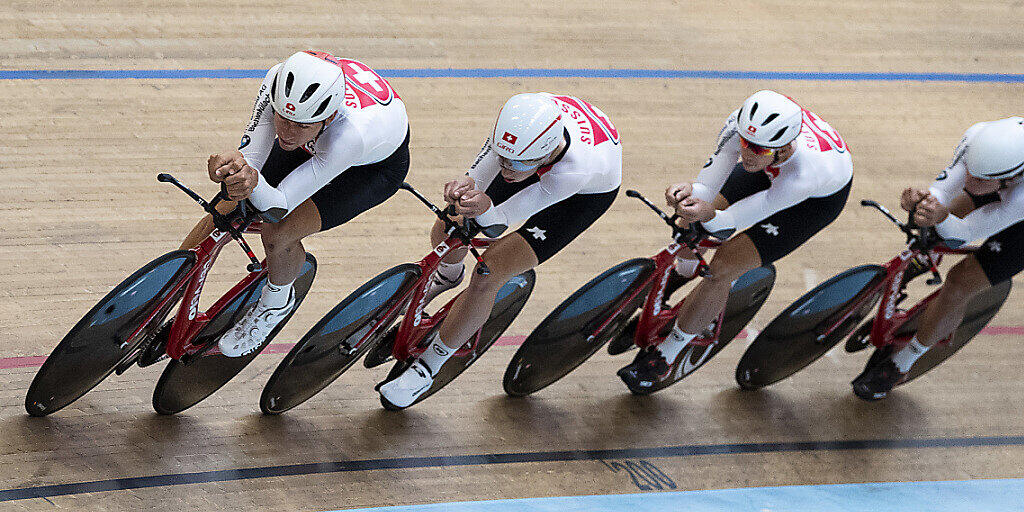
(702, 306)
(451, 270)
(282, 242)
(506, 259)
(354, 191)
(686, 264)
(351, 193)
(285, 257)
(542, 236)
(997, 260)
(944, 314)
(735, 255)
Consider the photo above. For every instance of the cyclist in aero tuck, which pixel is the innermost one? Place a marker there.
(560, 166)
(328, 140)
(793, 178)
(978, 196)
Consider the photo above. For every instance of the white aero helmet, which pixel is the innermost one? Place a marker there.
(309, 87)
(769, 119)
(529, 126)
(996, 150)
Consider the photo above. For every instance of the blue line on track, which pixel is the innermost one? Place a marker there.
(228, 475)
(71, 74)
(948, 496)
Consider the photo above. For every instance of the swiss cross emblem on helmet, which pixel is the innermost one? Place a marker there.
(752, 129)
(508, 137)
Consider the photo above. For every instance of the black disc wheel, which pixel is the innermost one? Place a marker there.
(797, 337)
(329, 348)
(566, 337)
(507, 304)
(98, 343)
(186, 383)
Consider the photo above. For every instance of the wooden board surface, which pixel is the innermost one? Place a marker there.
(80, 209)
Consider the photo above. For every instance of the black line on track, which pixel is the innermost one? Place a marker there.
(227, 475)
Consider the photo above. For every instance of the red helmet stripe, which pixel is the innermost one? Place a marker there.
(539, 136)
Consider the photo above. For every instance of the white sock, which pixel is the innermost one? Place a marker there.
(686, 267)
(907, 356)
(674, 343)
(436, 354)
(451, 271)
(276, 295)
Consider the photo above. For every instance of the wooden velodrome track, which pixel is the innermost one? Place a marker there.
(80, 209)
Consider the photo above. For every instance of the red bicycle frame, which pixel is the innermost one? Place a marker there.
(888, 317)
(415, 324)
(189, 321)
(653, 315)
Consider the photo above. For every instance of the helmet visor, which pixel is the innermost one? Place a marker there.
(523, 165)
(756, 149)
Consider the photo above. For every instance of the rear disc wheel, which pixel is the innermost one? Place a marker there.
(98, 343)
(329, 348)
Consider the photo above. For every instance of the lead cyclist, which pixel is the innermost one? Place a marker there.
(792, 180)
(328, 139)
(978, 196)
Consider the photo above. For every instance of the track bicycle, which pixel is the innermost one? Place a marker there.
(127, 326)
(603, 310)
(363, 323)
(822, 317)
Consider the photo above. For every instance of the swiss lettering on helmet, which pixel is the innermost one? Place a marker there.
(308, 87)
(529, 126)
(769, 119)
(996, 151)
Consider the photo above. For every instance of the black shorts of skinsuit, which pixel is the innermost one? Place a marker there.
(551, 229)
(1001, 256)
(352, 192)
(784, 231)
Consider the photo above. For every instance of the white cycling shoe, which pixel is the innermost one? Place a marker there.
(253, 328)
(412, 383)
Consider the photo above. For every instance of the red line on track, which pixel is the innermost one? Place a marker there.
(7, 363)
